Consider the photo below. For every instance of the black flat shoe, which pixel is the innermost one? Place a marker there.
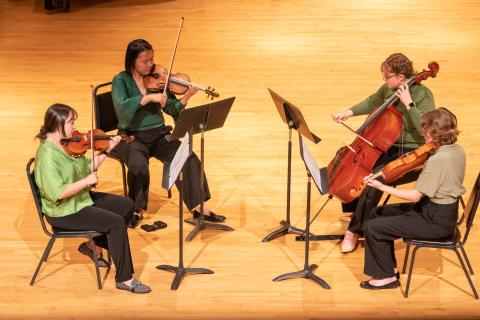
(137, 217)
(391, 285)
(211, 216)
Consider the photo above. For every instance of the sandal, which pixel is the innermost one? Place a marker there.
(135, 287)
(154, 227)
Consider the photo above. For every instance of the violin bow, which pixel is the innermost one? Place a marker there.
(173, 58)
(92, 143)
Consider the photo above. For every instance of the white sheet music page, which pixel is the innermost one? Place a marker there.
(178, 161)
(312, 167)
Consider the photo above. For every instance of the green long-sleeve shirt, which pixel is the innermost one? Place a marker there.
(423, 98)
(54, 171)
(131, 115)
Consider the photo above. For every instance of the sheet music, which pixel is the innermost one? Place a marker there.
(179, 160)
(312, 168)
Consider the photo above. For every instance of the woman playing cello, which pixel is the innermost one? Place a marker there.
(414, 101)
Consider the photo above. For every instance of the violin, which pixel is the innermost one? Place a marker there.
(178, 83)
(79, 142)
(377, 134)
(397, 168)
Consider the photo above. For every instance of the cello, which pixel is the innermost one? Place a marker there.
(376, 135)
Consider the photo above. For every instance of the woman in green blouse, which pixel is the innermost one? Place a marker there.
(140, 113)
(413, 102)
(432, 211)
(64, 182)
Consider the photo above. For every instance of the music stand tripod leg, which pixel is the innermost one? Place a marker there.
(200, 223)
(180, 271)
(286, 228)
(308, 269)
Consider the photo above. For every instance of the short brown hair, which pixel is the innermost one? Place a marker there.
(55, 118)
(441, 124)
(398, 63)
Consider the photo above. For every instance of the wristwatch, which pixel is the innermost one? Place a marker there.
(412, 104)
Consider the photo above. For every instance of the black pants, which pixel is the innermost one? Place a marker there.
(152, 143)
(370, 197)
(109, 215)
(422, 220)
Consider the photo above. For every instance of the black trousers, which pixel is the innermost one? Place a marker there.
(422, 220)
(370, 197)
(110, 215)
(152, 143)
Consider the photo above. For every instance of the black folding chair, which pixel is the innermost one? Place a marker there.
(453, 242)
(106, 120)
(57, 233)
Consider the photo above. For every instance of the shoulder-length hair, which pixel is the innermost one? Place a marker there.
(441, 124)
(134, 48)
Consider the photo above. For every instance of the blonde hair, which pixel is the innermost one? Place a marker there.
(441, 124)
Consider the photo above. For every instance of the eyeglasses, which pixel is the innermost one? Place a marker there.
(385, 77)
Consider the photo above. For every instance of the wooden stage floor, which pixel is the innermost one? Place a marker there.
(324, 56)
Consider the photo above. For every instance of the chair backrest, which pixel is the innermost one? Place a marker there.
(471, 207)
(36, 195)
(105, 116)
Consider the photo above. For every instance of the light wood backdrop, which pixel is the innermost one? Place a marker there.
(323, 56)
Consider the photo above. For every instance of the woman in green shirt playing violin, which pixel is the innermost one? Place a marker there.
(64, 182)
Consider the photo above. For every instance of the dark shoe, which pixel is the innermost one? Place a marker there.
(391, 285)
(137, 217)
(154, 227)
(397, 275)
(211, 216)
(135, 287)
(85, 249)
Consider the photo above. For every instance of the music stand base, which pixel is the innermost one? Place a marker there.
(181, 272)
(286, 228)
(307, 273)
(200, 225)
(321, 237)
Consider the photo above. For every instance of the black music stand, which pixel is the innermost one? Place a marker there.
(198, 120)
(312, 170)
(293, 117)
(172, 172)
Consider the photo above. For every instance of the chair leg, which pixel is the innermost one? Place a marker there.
(124, 175)
(405, 261)
(169, 193)
(386, 200)
(466, 260)
(410, 271)
(466, 273)
(45, 254)
(99, 280)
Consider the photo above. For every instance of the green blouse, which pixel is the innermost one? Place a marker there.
(423, 98)
(54, 171)
(131, 115)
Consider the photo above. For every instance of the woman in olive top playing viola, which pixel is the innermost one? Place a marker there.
(68, 203)
(433, 211)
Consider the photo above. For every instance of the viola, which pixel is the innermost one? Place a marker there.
(80, 142)
(397, 168)
(377, 134)
(178, 83)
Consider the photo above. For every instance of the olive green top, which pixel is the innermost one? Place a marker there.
(54, 171)
(423, 98)
(442, 175)
(133, 116)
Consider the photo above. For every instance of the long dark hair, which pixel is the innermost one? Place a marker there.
(134, 48)
(55, 118)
